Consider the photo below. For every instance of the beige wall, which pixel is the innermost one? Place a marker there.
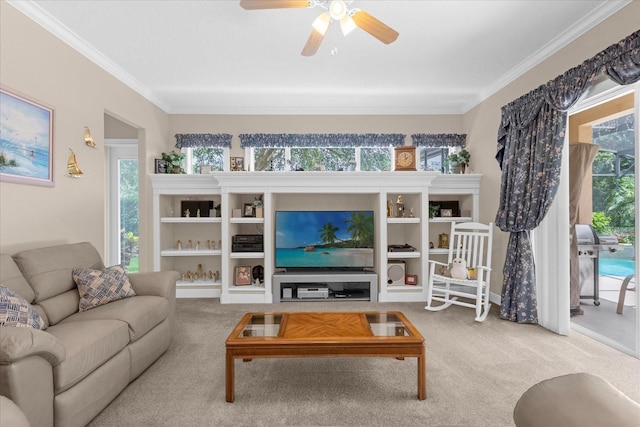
(37, 64)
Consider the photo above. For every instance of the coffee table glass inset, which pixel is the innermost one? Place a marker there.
(322, 334)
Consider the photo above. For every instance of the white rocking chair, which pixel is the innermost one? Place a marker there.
(470, 241)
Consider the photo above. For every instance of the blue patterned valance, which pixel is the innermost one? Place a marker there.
(439, 140)
(310, 140)
(193, 140)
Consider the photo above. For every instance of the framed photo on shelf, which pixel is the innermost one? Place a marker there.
(411, 279)
(249, 210)
(161, 166)
(205, 169)
(446, 213)
(27, 134)
(237, 164)
(242, 275)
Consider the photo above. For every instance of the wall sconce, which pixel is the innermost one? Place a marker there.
(88, 139)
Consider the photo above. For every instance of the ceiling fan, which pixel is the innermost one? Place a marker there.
(335, 10)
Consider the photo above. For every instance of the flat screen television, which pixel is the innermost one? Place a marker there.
(324, 239)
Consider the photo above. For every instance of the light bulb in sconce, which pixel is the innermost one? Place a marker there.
(88, 139)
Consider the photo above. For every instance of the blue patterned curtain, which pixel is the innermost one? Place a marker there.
(439, 140)
(311, 140)
(197, 140)
(530, 139)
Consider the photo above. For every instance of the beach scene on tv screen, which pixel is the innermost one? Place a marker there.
(324, 239)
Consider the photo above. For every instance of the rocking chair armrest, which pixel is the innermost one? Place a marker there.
(482, 267)
(431, 261)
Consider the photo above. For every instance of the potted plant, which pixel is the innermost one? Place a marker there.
(457, 162)
(174, 161)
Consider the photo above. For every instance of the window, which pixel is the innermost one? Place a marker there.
(432, 159)
(204, 156)
(614, 175)
(322, 158)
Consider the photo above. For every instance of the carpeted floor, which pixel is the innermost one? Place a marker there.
(475, 374)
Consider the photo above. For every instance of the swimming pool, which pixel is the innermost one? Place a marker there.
(616, 267)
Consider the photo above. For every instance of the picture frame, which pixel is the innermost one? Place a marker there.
(237, 164)
(249, 210)
(437, 205)
(205, 169)
(160, 166)
(446, 213)
(411, 279)
(242, 275)
(27, 134)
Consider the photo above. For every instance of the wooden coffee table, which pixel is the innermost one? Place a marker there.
(324, 334)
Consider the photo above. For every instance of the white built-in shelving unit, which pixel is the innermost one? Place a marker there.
(302, 191)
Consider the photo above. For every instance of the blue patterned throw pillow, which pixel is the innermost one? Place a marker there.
(98, 287)
(16, 311)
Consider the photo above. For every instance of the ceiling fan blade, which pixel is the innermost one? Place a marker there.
(273, 4)
(375, 27)
(315, 39)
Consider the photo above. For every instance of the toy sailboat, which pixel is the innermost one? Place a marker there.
(72, 165)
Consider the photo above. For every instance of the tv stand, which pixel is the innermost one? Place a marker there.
(342, 285)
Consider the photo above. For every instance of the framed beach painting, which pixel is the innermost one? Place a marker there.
(26, 140)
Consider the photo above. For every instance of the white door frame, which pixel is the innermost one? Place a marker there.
(117, 149)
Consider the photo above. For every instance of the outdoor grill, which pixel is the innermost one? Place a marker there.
(589, 247)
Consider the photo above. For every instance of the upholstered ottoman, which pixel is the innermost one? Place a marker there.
(575, 400)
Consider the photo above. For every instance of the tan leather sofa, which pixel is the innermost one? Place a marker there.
(69, 372)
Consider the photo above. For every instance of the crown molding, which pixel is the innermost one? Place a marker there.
(604, 11)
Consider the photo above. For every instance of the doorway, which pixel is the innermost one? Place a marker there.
(123, 203)
(607, 211)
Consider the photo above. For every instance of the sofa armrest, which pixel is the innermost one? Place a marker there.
(159, 283)
(17, 343)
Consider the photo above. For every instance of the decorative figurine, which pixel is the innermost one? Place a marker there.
(198, 245)
(198, 213)
(209, 244)
(411, 213)
(399, 207)
(389, 209)
(187, 213)
(190, 245)
(210, 275)
(179, 245)
(200, 273)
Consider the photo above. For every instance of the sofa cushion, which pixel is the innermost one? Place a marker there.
(99, 287)
(16, 311)
(87, 344)
(48, 270)
(12, 278)
(141, 313)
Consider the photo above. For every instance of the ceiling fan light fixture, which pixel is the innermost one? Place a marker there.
(321, 23)
(337, 9)
(347, 25)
